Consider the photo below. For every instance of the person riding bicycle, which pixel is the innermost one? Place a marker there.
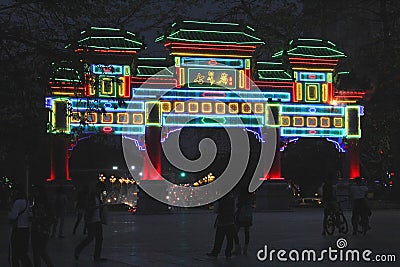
(329, 201)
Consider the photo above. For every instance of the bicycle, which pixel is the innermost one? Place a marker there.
(336, 219)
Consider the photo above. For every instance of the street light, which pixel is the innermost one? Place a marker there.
(115, 167)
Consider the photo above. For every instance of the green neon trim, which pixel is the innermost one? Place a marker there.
(277, 54)
(82, 32)
(219, 42)
(269, 63)
(310, 39)
(250, 28)
(220, 32)
(343, 72)
(152, 58)
(291, 42)
(173, 24)
(66, 80)
(211, 23)
(329, 42)
(131, 33)
(84, 39)
(109, 29)
(159, 38)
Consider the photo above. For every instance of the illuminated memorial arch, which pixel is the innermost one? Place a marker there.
(103, 89)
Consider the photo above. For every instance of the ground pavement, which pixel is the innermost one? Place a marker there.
(183, 237)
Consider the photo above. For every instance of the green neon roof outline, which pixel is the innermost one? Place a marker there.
(106, 29)
(310, 39)
(219, 42)
(219, 32)
(177, 31)
(211, 23)
(286, 75)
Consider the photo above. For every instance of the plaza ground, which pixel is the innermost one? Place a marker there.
(183, 237)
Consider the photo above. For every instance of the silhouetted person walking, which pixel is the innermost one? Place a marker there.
(81, 201)
(19, 243)
(42, 219)
(94, 225)
(361, 210)
(60, 208)
(224, 225)
(243, 218)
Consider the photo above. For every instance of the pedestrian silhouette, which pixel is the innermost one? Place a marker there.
(42, 219)
(243, 218)
(93, 218)
(81, 202)
(224, 225)
(60, 209)
(19, 240)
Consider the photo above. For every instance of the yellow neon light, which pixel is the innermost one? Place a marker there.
(106, 118)
(91, 117)
(298, 121)
(64, 93)
(311, 121)
(75, 116)
(312, 92)
(325, 122)
(127, 71)
(246, 108)
(207, 55)
(179, 107)
(233, 107)
(107, 86)
(206, 107)
(324, 92)
(338, 122)
(345, 101)
(299, 91)
(122, 118)
(220, 108)
(165, 106)
(193, 107)
(285, 121)
(177, 61)
(247, 64)
(120, 85)
(241, 78)
(149, 107)
(137, 118)
(258, 108)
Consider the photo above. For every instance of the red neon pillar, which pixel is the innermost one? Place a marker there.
(59, 158)
(153, 146)
(352, 164)
(275, 170)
